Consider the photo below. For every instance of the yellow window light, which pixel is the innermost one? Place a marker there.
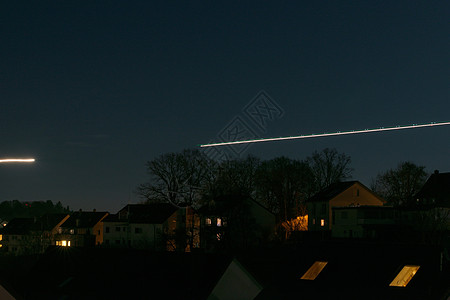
(314, 270)
(404, 276)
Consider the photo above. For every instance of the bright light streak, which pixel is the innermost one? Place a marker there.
(326, 134)
(6, 160)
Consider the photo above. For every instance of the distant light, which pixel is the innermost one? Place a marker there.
(325, 134)
(6, 160)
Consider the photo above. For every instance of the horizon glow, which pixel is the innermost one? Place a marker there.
(326, 134)
(6, 160)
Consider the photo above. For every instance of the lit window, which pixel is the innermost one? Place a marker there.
(219, 222)
(64, 243)
(322, 222)
(314, 270)
(208, 221)
(72, 231)
(68, 243)
(404, 276)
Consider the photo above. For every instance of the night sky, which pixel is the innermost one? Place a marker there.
(94, 89)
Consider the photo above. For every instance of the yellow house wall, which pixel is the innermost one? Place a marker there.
(350, 197)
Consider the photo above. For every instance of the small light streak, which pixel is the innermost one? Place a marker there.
(6, 160)
(326, 134)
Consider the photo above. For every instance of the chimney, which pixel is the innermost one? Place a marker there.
(94, 210)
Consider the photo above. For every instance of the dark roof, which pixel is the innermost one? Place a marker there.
(19, 226)
(354, 271)
(86, 219)
(25, 225)
(332, 191)
(436, 189)
(49, 221)
(92, 273)
(153, 213)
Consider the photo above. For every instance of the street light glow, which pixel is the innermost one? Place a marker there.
(26, 160)
(326, 134)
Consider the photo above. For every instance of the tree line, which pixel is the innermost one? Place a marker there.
(17, 209)
(281, 184)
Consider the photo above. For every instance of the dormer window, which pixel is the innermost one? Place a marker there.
(219, 222)
(208, 221)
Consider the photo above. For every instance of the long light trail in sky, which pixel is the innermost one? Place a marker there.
(25, 160)
(432, 124)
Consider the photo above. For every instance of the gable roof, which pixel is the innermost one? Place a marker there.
(152, 213)
(436, 189)
(18, 226)
(332, 191)
(86, 219)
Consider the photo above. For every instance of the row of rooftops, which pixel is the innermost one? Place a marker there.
(48, 222)
(437, 188)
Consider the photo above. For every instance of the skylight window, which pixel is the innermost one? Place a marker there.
(404, 276)
(314, 270)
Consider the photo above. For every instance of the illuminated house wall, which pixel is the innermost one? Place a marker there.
(361, 222)
(342, 194)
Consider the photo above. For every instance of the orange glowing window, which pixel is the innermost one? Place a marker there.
(404, 276)
(322, 222)
(219, 222)
(208, 221)
(314, 270)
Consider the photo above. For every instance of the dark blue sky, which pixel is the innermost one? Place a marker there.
(94, 89)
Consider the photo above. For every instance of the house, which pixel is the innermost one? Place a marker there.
(155, 226)
(430, 214)
(362, 221)
(235, 221)
(82, 229)
(31, 235)
(339, 194)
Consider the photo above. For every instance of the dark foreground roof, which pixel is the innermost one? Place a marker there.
(353, 271)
